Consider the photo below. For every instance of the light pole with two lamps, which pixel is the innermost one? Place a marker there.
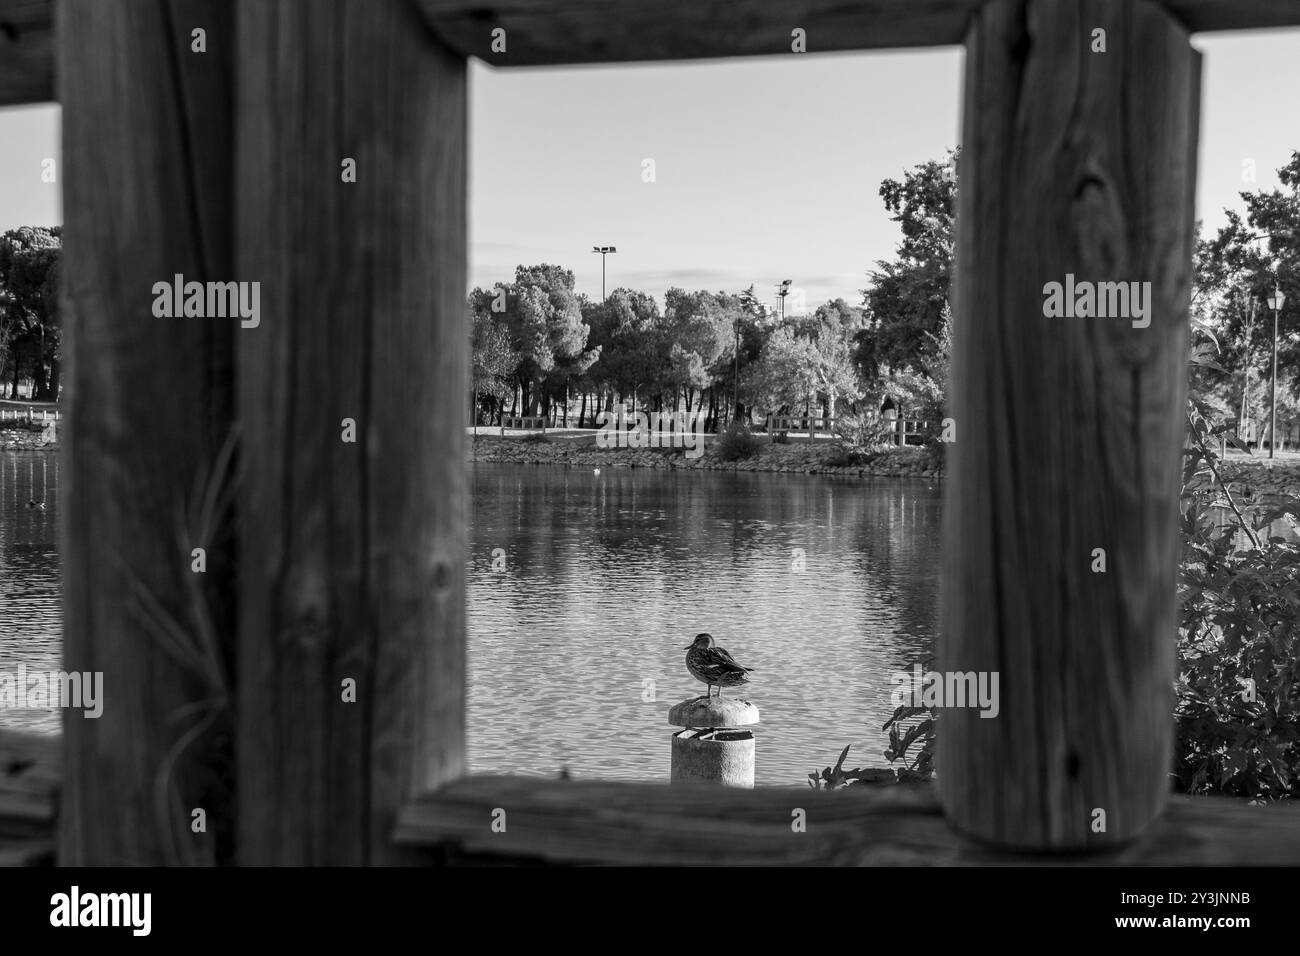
(604, 251)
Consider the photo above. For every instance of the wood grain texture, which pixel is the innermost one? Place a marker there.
(26, 52)
(30, 772)
(353, 554)
(1069, 430)
(648, 824)
(552, 32)
(548, 32)
(147, 191)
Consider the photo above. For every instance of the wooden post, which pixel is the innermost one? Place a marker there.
(352, 554)
(147, 186)
(1070, 429)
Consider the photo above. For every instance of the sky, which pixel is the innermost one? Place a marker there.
(765, 168)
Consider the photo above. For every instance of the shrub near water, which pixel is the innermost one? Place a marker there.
(738, 443)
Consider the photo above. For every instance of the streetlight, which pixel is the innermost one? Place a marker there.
(604, 251)
(783, 291)
(1275, 300)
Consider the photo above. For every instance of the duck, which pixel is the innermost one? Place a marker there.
(35, 505)
(713, 665)
(596, 472)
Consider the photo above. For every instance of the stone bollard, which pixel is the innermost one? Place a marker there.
(712, 748)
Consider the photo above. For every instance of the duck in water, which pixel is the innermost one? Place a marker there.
(36, 505)
(712, 665)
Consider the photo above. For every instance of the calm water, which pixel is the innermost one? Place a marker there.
(30, 616)
(577, 645)
(607, 578)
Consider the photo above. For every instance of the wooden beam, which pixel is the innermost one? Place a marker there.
(550, 32)
(26, 52)
(1069, 430)
(633, 824)
(352, 552)
(554, 32)
(147, 182)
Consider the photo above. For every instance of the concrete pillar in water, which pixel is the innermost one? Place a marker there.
(713, 748)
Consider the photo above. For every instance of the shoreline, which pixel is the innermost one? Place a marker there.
(797, 457)
(23, 439)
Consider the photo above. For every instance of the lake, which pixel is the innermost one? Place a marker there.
(31, 622)
(577, 646)
(577, 629)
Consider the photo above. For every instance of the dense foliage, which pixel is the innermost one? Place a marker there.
(30, 338)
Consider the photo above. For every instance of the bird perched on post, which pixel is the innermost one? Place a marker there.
(711, 665)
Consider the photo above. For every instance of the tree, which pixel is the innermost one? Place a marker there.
(543, 317)
(1232, 275)
(29, 262)
(625, 327)
(493, 360)
(907, 294)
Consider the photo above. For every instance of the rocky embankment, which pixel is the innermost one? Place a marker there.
(24, 438)
(823, 457)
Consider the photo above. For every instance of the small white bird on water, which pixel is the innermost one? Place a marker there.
(596, 472)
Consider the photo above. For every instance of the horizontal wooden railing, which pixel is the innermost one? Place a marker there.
(524, 422)
(811, 424)
(28, 415)
(540, 32)
(649, 824)
(589, 821)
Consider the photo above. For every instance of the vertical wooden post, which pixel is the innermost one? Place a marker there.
(1069, 429)
(147, 176)
(352, 554)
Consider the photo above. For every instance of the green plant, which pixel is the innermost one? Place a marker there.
(1238, 687)
(738, 443)
(901, 739)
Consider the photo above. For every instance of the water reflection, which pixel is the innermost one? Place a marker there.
(576, 647)
(31, 623)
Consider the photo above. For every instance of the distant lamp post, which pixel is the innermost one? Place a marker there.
(1275, 301)
(604, 251)
(783, 291)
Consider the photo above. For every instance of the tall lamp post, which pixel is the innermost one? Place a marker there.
(604, 251)
(1275, 300)
(783, 291)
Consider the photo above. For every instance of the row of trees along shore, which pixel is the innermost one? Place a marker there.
(540, 348)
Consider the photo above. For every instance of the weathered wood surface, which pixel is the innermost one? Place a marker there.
(652, 824)
(352, 554)
(29, 787)
(147, 192)
(547, 32)
(1070, 430)
(26, 51)
(543, 32)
